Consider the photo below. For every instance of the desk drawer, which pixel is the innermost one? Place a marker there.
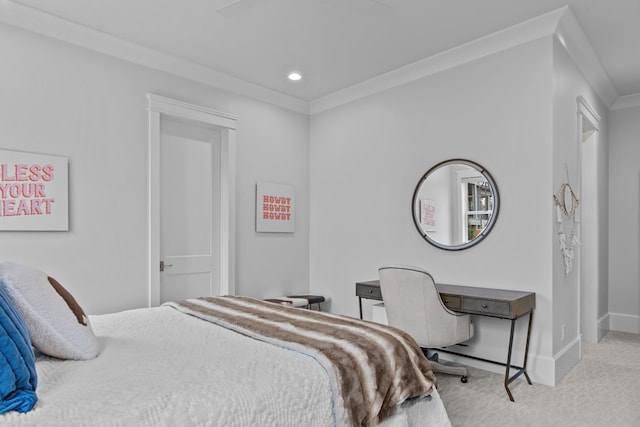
(488, 307)
(453, 302)
(370, 292)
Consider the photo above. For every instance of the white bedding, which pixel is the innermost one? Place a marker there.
(159, 367)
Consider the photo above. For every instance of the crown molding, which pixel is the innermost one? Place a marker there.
(561, 23)
(574, 40)
(42, 23)
(627, 101)
(507, 38)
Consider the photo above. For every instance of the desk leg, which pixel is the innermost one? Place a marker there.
(508, 380)
(360, 306)
(526, 348)
(506, 374)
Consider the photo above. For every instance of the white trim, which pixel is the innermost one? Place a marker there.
(587, 289)
(602, 326)
(515, 35)
(560, 22)
(541, 369)
(228, 214)
(627, 101)
(28, 18)
(624, 322)
(191, 112)
(158, 107)
(154, 208)
(588, 112)
(567, 358)
(576, 43)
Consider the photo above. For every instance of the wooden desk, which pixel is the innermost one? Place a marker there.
(500, 303)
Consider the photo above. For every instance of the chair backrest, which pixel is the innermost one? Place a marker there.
(413, 304)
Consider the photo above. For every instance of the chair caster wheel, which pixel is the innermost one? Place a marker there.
(464, 379)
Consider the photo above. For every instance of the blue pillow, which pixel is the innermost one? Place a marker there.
(18, 378)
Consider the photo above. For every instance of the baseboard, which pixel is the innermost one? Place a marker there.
(603, 325)
(566, 359)
(624, 323)
(541, 369)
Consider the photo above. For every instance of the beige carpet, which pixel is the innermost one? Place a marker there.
(602, 390)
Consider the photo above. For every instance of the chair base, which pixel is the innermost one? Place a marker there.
(448, 367)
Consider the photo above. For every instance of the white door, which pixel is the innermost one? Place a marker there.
(189, 206)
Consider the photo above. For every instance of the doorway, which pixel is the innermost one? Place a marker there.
(191, 201)
(590, 222)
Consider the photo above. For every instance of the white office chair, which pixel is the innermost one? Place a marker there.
(413, 305)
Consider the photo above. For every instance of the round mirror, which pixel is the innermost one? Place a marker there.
(455, 204)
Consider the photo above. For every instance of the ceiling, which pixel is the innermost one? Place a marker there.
(335, 44)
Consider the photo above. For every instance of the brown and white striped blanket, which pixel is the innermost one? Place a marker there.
(373, 368)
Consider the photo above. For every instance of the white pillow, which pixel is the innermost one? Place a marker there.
(57, 324)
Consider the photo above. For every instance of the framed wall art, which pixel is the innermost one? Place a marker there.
(275, 208)
(34, 192)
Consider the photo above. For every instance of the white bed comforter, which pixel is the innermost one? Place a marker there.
(159, 367)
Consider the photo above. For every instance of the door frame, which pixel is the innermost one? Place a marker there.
(588, 289)
(161, 107)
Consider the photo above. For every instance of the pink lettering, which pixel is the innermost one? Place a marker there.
(47, 205)
(5, 173)
(8, 206)
(39, 190)
(20, 207)
(14, 191)
(35, 207)
(23, 208)
(34, 174)
(47, 172)
(274, 216)
(28, 190)
(21, 172)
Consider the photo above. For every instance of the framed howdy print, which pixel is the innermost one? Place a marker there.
(275, 208)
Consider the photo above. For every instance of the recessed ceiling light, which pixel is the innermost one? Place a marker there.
(295, 76)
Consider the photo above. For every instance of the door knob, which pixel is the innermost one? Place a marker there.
(163, 265)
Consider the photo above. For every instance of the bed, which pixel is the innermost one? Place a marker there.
(179, 365)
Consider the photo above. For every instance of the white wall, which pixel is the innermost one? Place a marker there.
(624, 215)
(63, 100)
(367, 156)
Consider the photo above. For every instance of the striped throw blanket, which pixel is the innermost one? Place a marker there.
(373, 368)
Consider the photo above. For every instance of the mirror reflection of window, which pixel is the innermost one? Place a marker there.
(478, 206)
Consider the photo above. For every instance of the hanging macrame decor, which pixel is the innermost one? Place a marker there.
(566, 205)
